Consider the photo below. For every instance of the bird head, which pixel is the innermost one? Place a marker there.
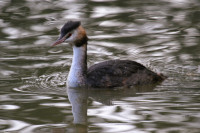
(73, 33)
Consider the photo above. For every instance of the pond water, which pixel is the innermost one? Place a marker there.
(163, 35)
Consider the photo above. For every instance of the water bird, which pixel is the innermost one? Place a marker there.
(107, 74)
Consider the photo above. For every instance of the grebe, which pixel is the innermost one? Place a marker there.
(108, 74)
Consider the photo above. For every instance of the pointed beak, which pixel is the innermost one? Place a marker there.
(59, 41)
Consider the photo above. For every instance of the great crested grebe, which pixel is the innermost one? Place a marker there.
(108, 74)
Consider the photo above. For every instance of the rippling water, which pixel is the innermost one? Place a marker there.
(164, 35)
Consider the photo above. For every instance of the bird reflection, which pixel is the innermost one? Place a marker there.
(79, 99)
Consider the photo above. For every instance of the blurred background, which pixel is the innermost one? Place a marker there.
(163, 35)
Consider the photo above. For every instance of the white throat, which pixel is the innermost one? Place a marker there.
(78, 70)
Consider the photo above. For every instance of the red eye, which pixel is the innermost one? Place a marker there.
(69, 35)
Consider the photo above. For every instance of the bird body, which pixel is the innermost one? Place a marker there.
(107, 74)
(115, 73)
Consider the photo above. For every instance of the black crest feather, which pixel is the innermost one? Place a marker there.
(69, 26)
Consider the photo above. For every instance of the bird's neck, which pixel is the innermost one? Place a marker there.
(78, 70)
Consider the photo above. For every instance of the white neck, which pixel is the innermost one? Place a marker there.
(78, 70)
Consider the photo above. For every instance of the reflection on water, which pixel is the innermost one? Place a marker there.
(81, 100)
(161, 34)
(78, 98)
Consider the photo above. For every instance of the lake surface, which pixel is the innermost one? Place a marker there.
(163, 35)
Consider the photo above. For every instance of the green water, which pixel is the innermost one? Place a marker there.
(162, 35)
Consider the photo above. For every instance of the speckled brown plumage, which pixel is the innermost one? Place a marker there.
(116, 73)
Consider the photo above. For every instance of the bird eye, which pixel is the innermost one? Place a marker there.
(69, 35)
